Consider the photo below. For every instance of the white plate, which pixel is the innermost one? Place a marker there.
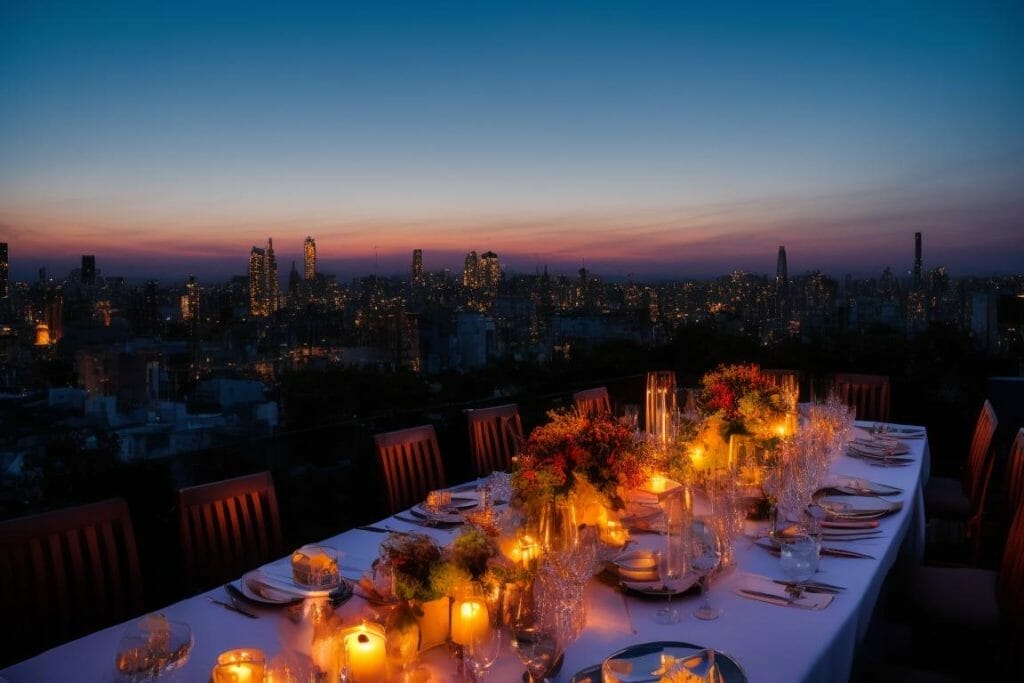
(272, 589)
(857, 506)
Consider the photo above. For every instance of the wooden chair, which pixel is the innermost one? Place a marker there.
(869, 394)
(411, 460)
(228, 527)
(782, 378)
(495, 435)
(980, 605)
(66, 573)
(593, 401)
(963, 499)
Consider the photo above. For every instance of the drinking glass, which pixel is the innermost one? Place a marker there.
(798, 558)
(631, 416)
(707, 554)
(481, 651)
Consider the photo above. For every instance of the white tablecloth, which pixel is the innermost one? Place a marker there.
(771, 643)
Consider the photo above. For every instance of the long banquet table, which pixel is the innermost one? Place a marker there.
(770, 642)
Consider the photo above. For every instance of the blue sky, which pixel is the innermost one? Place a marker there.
(669, 138)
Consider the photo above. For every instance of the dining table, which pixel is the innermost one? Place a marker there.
(769, 641)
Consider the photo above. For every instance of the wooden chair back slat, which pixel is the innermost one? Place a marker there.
(868, 394)
(980, 453)
(411, 462)
(495, 435)
(66, 573)
(1015, 473)
(219, 544)
(593, 401)
(1010, 581)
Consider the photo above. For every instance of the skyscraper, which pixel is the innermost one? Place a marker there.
(273, 285)
(917, 260)
(88, 269)
(417, 268)
(257, 281)
(190, 309)
(783, 302)
(471, 271)
(4, 285)
(309, 250)
(264, 286)
(490, 270)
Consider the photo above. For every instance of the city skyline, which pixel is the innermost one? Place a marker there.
(661, 141)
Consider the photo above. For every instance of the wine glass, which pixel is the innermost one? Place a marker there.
(534, 638)
(481, 651)
(707, 554)
(669, 571)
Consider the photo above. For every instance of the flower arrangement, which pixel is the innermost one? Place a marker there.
(572, 448)
(738, 399)
(424, 571)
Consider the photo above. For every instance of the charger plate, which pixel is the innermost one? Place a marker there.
(647, 657)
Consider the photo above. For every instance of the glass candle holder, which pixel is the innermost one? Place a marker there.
(244, 665)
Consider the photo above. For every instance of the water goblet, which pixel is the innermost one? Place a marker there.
(483, 649)
(669, 572)
(707, 555)
(534, 638)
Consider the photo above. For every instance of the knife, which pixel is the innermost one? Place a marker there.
(811, 586)
(840, 552)
(374, 529)
(788, 601)
(233, 608)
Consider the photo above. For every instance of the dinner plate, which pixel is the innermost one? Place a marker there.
(859, 507)
(859, 486)
(650, 656)
(421, 512)
(258, 586)
(656, 589)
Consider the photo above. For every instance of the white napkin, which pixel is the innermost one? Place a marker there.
(757, 587)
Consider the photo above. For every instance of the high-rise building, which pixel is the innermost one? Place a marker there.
(88, 269)
(490, 270)
(4, 285)
(783, 300)
(264, 286)
(417, 268)
(190, 301)
(917, 260)
(471, 271)
(257, 281)
(273, 282)
(309, 251)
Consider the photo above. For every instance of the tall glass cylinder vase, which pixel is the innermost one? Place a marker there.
(661, 405)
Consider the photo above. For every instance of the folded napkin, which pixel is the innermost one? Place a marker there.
(872, 447)
(764, 589)
(849, 523)
(858, 486)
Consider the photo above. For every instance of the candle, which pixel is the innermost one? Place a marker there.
(613, 534)
(697, 458)
(526, 552)
(658, 483)
(470, 621)
(239, 666)
(365, 655)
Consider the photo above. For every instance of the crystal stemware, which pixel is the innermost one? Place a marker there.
(534, 637)
(707, 554)
(481, 651)
(798, 558)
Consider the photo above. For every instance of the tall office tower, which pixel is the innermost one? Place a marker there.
(190, 311)
(471, 271)
(309, 250)
(88, 269)
(4, 285)
(783, 302)
(273, 286)
(257, 282)
(490, 270)
(417, 268)
(917, 260)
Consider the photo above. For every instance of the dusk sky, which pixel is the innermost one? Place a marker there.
(656, 138)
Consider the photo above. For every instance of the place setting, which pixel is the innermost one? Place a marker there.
(313, 571)
(664, 660)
